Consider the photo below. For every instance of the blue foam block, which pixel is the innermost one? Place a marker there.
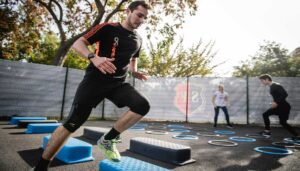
(74, 151)
(128, 164)
(42, 128)
(15, 120)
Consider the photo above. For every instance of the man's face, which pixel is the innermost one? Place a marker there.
(264, 82)
(137, 17)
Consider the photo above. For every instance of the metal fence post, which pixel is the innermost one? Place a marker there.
(247, 98)
(64, 94)
(187, 99)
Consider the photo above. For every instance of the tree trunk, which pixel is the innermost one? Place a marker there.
(63, 49)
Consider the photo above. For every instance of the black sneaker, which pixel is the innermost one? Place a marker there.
(229, 126)
(265, 133)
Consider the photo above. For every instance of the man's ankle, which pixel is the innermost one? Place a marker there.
(43, 164)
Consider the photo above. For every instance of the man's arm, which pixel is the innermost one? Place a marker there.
(104, 64)
(80, 46)
(133, 69)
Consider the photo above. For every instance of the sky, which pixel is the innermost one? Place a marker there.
(239, 26)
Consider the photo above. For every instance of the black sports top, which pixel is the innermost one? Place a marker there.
(278, 93)
(114, 41)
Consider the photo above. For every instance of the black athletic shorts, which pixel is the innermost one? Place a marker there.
(93, 89)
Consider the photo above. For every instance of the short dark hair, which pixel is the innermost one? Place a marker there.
(265, 77)
(134, 5)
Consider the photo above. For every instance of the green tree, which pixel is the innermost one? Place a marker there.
(167, 58)
(22, 33)
(64, 13)
(271, 58)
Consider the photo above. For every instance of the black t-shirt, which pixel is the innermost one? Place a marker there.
(278, 93)
(111, 37)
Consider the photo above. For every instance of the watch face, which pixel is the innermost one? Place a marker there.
(91, 55)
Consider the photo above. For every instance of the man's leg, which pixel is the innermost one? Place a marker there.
(216, 116)
(266, 116)
(124, 95)
(288, 127)
(78, 115)
(284, 110)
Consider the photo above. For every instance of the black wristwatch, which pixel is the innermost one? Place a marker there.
(91, 55)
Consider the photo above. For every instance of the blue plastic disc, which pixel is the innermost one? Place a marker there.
(185, 137)
(291, 140)
(273, 150)
(140, 125)
(156, 132)
(242, 139)
(223, 143)
(137, 128)
(224, 132)
(179, 130)
(258, 136)
(176, 126)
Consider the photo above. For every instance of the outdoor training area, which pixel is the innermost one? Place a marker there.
(143, 85)
(20, 151)
(32, 108)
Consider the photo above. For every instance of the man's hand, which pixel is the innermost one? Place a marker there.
(104, 64)
(140, 75)
(274, 105)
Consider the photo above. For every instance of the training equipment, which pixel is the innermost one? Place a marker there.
(224, 132)
(286, 145)
(291, 140)
(161, 150)
(179, 130)
(25, 123)
(94, 133)
(208, 134)
(273, 150)
(242, 139)
(128, 164)
(175, 126)
(185, 137)
(257, 136)
(156, 132)
(74, 151)
(42, 128)
(137, 128)
(157, 127)
(224, 143)
(15, 120)
(140, 125)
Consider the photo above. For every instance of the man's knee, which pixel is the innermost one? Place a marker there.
(142, 107)
(266, 114)
(78, 115)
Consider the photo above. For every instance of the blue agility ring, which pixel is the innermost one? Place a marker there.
(176, 126)
(290, 140)
(224, 132)
(137, 128)
(185, 137)
(242, 139)
(179, 130)
(140, 125)
(280, 151)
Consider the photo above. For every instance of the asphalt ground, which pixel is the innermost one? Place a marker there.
(20, 151)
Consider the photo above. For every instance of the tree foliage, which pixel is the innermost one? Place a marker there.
(271, 58)
(168, 58)
(22, 33)
(88, 13)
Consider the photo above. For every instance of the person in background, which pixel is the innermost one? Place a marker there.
(220, 100)
(279, 106)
